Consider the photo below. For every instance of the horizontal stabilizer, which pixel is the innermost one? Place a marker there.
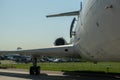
(73, 13)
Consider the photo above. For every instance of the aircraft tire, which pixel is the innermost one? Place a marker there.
(37, 70)
(31, 70)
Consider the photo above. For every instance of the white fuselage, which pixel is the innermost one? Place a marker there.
(98, 30)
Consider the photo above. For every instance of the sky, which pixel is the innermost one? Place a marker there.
(23, 23)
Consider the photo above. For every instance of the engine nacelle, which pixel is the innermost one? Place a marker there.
(60, 41)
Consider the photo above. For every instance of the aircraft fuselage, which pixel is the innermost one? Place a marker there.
(97, 32)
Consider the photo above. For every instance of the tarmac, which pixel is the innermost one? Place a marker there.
(20, 74)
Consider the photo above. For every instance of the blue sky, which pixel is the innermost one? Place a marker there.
(23, 22)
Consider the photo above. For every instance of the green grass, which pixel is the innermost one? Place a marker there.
(111, 67)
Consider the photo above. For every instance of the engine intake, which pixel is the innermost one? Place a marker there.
(60, 41)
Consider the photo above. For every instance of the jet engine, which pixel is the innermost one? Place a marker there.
(60, 41)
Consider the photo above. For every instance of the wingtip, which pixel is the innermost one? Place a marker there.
(47, 16)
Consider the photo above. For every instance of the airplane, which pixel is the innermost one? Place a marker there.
(95, 38)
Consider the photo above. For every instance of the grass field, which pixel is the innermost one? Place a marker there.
(108, 67)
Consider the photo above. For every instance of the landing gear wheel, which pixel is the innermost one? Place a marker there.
(34, 70)
(37, 70)
(31, 71)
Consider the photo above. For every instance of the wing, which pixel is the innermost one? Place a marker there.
(59, 51)
(73, 13)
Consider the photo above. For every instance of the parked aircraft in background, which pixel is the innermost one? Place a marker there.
(96, 36)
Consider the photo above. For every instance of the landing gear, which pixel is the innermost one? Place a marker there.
(34, 70)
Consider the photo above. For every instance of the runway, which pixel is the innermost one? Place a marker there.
(19, 74)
